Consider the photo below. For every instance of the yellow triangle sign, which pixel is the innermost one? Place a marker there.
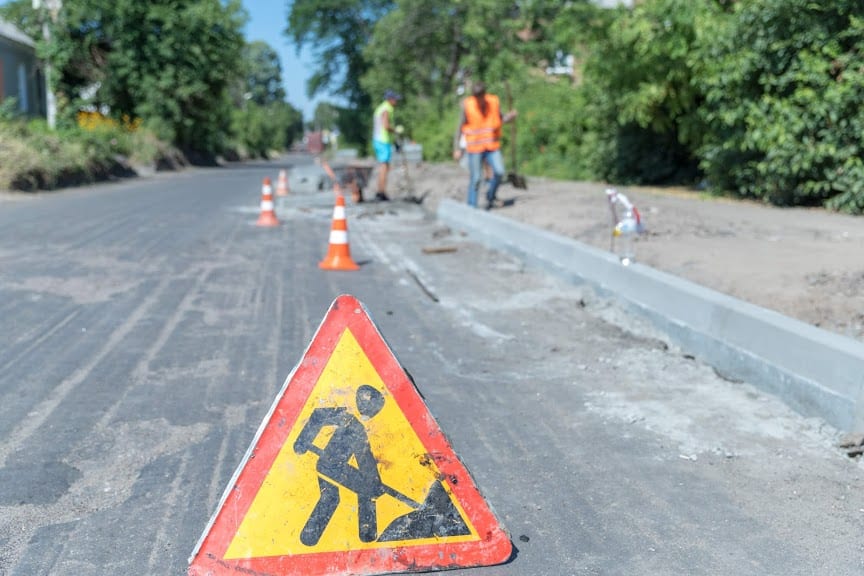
(349, 474)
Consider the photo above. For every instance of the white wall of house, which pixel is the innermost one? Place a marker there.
(20, 74)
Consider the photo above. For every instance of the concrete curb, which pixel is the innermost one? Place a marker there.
(816, 372)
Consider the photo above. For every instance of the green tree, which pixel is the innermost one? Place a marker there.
(263, 74)
(563, 26)
(408, 55)
(337, 31)
(325, 116)
(639, 80)
(263, 122)
(260, 131)
(168, 62)
(784, 87)
(21, 13)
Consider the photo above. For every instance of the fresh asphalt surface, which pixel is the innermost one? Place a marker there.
(148, 325)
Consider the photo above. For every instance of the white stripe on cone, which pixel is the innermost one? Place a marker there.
(338, 237)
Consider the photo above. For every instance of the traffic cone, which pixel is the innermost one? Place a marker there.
(339, 254)
(268, 213)
(282, 184)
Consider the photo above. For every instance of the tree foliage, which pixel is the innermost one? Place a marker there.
(412, 57)
(434, 65)
(784, 90)
(21, 13)
(641, 83)
(337, 30)
(262, 121)
(180, 66)
(260, 130)
(262, 80)
(169, 62)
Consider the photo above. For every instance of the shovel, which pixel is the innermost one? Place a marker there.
(406, 186)
(513, 178)
(435, 517)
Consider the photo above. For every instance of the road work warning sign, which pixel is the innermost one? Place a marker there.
(349, 474)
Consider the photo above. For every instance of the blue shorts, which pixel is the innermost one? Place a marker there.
(383, 151)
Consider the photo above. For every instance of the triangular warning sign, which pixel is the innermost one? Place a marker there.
(349, 474)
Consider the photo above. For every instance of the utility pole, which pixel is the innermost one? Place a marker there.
(53, 9)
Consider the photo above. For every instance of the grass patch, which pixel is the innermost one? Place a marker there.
(37, 158)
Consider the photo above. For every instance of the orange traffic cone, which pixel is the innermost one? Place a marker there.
(268, 213)
(282, 184)
(338, 255)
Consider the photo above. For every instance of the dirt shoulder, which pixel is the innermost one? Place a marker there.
(804, 263)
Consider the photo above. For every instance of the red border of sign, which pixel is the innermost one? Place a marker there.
(494, 547)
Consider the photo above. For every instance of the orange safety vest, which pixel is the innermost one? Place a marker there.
(482, 133)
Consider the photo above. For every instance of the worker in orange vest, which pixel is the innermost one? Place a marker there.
(480, 123)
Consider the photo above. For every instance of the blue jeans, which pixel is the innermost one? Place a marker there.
(475, 167)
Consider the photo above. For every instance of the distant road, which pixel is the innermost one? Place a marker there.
(148, 325)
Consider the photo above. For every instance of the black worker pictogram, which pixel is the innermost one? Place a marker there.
(347, 460)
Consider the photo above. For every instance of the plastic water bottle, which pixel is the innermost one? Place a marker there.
(626, 228)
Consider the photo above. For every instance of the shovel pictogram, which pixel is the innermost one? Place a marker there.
(347, 462)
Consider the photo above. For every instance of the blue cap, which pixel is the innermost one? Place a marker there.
(392, 95)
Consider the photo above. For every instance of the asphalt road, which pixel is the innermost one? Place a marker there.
(148, 325)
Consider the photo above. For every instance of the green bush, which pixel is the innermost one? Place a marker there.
(435, 133)
(259, 131)
(551, 130)
(641, 93)
(9, 109)
(784, 86)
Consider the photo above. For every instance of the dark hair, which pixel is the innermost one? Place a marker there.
(479, 92)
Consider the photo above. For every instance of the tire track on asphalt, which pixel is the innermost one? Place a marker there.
(162, 540)
(141, 369)
(253, 291)
(204, 276)
(102, 427)
(119, 219)
(237, 415)
(216, 485)
(44, 333)
(42, 412)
